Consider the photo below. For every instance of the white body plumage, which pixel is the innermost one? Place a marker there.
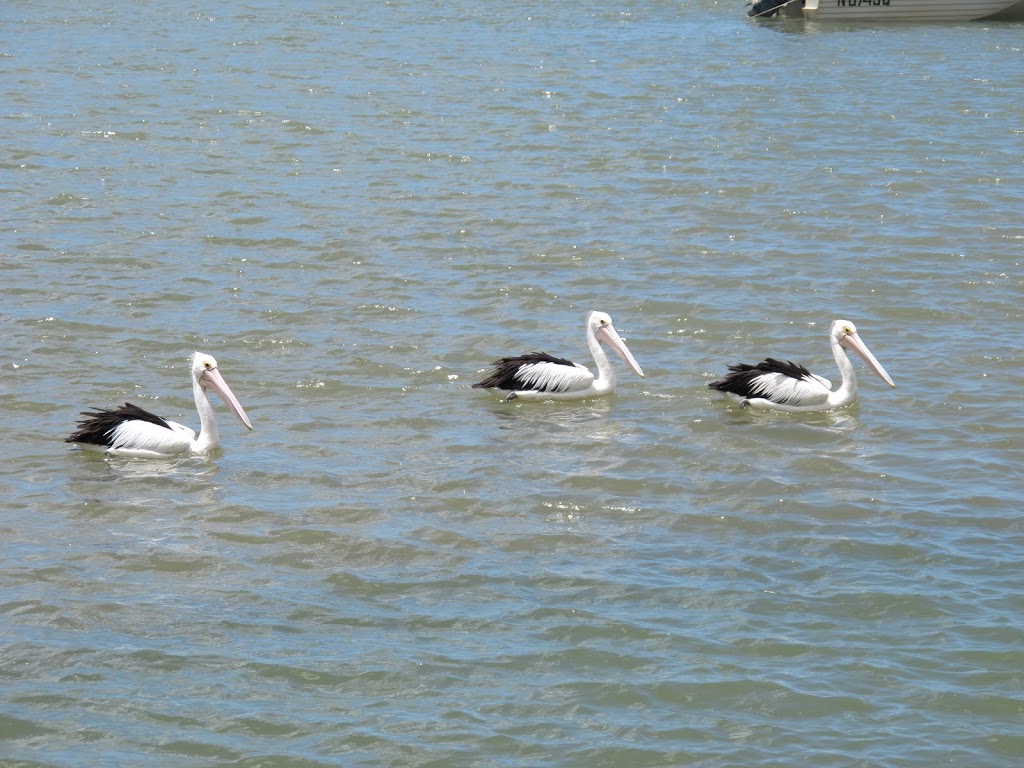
(785, 386)
(539, 376)
(133, 431)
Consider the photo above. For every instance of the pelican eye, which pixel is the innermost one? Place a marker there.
(207, 365)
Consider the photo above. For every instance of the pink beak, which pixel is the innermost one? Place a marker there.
(853, 342)
(211, 379)
(609, 335)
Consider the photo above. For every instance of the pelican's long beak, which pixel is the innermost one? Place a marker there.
(211, 379)
(852, 341)
(608, 334)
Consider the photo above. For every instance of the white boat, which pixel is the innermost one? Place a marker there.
(892, 10)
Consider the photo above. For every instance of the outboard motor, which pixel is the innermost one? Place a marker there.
(766, 8)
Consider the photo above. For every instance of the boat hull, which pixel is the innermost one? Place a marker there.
(905, 10)
(910, 10)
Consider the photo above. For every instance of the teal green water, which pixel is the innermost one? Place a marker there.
(356, 211)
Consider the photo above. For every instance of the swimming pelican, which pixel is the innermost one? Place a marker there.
(539, 376)
(786, 386)
(132, 431)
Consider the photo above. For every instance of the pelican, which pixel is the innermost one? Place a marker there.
(133, 431)
(786, 386)
(540, 376)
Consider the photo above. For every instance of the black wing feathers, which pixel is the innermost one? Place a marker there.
(98, 424)
(505, 370)
(741, 378)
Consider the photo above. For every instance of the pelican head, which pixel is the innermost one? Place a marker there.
(207, 377)
(844, 333)
(599, 326)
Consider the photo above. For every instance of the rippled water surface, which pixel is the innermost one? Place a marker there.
(357, 209)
